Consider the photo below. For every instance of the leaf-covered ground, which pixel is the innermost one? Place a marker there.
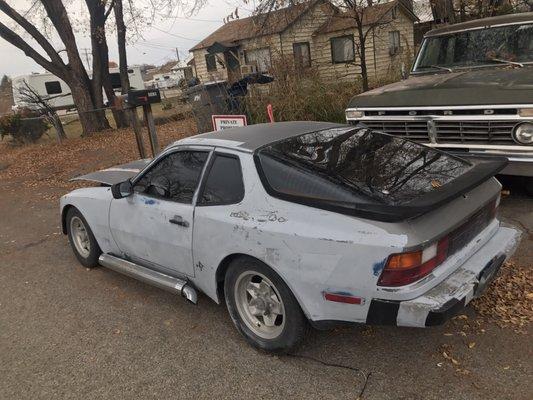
(509, 299)
(52, 165)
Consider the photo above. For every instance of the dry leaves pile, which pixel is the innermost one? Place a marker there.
(509, 299)
(50, 165)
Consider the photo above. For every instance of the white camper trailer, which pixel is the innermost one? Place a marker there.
(57, 92)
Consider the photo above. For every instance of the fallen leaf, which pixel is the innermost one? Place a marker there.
(471, 345)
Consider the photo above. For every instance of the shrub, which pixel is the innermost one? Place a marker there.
(167, 105)
(300, 95)
(23, 127)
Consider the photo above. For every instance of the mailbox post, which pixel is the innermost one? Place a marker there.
(145, 98)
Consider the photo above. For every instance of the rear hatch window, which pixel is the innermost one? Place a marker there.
(362, 172)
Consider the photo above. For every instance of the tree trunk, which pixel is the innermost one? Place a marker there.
(78, 79)
(123, 67)
(362, 56)
(90, 120)
(58, 127)
(121, 42)
(100, 52)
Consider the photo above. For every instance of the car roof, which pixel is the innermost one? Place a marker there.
(253, 137)
(483, 23)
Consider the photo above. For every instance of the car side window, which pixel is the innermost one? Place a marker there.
(175, 177)
(224, 183)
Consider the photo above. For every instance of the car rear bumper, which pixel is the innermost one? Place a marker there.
(454, 293)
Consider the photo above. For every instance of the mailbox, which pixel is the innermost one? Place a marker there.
(143, 97)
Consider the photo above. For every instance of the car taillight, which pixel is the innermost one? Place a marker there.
(405, 268)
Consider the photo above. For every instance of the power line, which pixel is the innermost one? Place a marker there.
(176, 35)
(188, 19)
(155, 45)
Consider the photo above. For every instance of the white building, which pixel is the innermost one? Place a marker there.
(57, 92)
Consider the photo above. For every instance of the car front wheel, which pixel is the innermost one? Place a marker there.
(81, 239)
(262, 306)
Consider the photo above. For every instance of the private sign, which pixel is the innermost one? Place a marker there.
(228, 121)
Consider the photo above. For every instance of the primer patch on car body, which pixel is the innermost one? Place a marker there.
(378, 267)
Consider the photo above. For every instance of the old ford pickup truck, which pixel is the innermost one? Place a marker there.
(470, 92)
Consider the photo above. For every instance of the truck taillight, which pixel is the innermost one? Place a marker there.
(405, 268)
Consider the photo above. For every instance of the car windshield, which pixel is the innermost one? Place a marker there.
(512, 44)
(356, 166)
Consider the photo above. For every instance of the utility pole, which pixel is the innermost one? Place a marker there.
(177, 54)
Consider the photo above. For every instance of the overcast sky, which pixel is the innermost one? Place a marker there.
(158, 47)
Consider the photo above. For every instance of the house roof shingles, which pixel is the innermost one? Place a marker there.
(279, 20)
(246, 28)
(372, 15)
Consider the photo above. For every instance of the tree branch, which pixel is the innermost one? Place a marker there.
(11, 37)
(32, 31)
(109, 10)
(58, 15)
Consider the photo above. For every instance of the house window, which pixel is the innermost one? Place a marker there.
(394, 42)
(53, 87)
(260, 58)
(211, 62)
(302, 54)
(342, 49)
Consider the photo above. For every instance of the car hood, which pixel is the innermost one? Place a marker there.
(116, 174)
(495, 86)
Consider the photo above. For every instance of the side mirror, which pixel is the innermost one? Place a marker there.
(122, 189)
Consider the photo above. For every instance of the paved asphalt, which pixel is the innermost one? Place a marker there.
(71, 333)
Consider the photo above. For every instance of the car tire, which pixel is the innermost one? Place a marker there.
(81, 239)
(262, 306)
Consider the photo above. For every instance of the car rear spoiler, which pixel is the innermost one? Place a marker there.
(483, 169)
(115, 174)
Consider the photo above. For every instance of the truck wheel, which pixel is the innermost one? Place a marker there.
(529, 186)
(81, 239)
(262, 306)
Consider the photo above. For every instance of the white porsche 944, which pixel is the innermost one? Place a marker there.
(299, 224)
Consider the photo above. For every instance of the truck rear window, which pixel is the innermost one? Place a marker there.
(347, 167)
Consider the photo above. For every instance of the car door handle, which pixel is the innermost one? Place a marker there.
(178, 220)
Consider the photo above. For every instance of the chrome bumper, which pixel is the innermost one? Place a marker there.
(520, 162)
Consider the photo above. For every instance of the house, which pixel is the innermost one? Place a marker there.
(168, 75)
(313, 34)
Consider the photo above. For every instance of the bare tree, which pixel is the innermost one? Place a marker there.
(452, 11)
(72, 71)
(99, 12)
(35, 101)
(367, 19)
